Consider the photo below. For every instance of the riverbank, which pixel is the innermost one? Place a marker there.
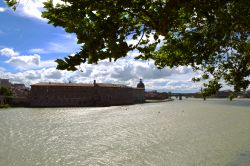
(4, 106)
(158, 101)
(21, 106)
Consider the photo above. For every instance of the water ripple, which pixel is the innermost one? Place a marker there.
(189, 132)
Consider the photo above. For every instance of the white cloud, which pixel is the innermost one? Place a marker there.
(24, 62)
(37, 51)
(32, 8)
(47, 63)
(103, 72)
(31, 75)
(184, 69)
(2, 9)
(149, 71)
(52, 73)
(128, 71)
(27, 62)
(124, 71)
(8, 52)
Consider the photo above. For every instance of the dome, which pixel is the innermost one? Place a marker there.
(141, 84)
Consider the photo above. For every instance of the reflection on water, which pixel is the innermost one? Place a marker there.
(188, 132)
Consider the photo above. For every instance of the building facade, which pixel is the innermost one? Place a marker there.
(5, 83)
(81, 95)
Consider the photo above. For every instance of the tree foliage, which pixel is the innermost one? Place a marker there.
(5, 91)
(212, 36)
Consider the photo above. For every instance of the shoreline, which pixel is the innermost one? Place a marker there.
(4, 106)
(158, 101)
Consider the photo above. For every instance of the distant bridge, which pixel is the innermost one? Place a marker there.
(180, 95)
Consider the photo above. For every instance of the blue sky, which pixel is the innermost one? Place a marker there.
(29, 46)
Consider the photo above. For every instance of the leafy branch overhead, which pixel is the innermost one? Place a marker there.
(210, 35)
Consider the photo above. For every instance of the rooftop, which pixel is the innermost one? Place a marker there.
(81, 84)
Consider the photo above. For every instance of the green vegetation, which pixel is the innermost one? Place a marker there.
(4, 106)
(5, 91)
(158, 101)
(211, 36)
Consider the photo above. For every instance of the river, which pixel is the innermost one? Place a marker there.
(189, 132)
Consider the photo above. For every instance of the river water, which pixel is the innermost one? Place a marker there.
(179, 133)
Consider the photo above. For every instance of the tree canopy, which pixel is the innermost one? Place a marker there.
(5, 91)
(212, 36)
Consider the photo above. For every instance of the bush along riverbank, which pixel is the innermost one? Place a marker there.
(4, 106)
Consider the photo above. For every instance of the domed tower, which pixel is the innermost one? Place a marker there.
(141, 84)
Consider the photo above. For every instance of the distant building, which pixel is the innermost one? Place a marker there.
(222, 94)
(154, 95)
(20, 90)
(5, 83)
(248, 94)
(19, 86)
(72, 95)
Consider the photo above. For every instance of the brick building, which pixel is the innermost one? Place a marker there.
(80, 95)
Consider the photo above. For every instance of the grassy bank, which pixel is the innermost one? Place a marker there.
(4, 106)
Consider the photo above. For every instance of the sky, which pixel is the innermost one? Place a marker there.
(29, 46)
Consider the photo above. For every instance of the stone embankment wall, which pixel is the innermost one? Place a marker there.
(49, 95)
(14, 101)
